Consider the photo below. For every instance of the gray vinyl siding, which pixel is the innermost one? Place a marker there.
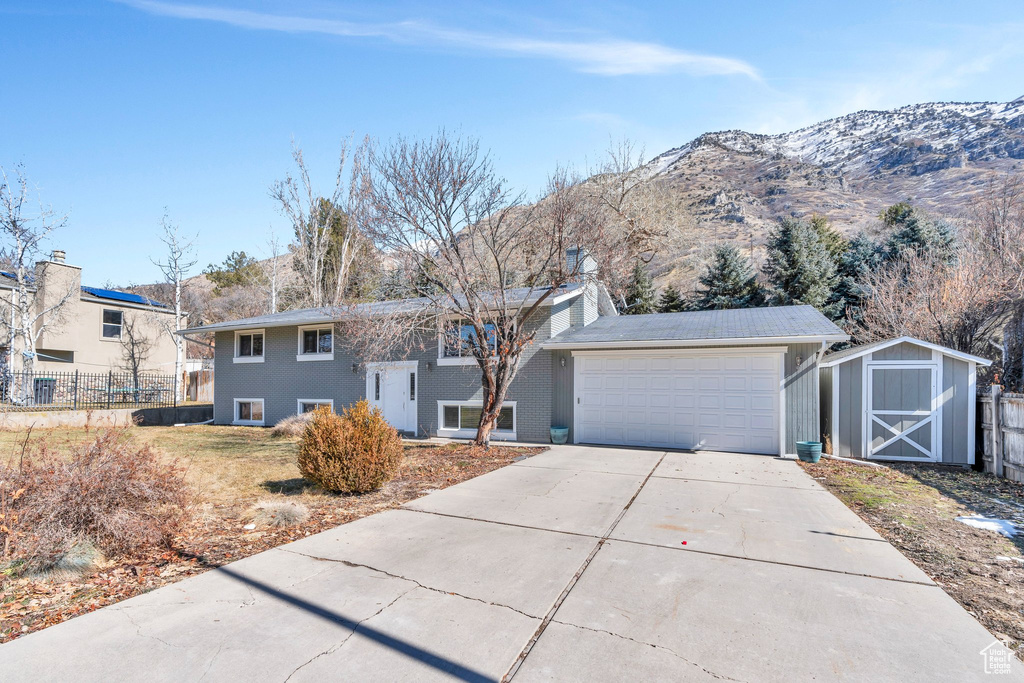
(847, 381)
(801, 403)
(562, 390)
(904, 351)
(955, 389)
(906, 389)
(825, 407)
(801, 382)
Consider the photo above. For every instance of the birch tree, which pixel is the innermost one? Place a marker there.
(29, 312)
(438, 211)
(179, 258)
(325, 224)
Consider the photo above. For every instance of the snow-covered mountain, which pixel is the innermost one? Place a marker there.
(937, 155)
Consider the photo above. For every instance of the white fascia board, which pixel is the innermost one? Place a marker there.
(944, 350)
(677, 343)
(550, 301)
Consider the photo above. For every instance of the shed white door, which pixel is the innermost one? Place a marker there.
(726, 401)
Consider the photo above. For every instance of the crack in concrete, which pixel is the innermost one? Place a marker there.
(139, 633)
(725, 501)
(335, 648)
(347, 563)
(655, 646)
(528, 648)
(209, 665)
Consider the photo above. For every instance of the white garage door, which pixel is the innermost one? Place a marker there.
(726, 401)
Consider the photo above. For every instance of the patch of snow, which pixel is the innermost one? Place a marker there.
(1004, 558)
(1000, 526)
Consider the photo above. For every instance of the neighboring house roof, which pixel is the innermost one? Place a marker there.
(857, 351)
(309, 316)
(100, 293)
(710, 328)
(125, 297)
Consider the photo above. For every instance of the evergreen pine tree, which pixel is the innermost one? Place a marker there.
(671, 301)
(800, 268)
(914, 229)
(640, 295)
(728, 281)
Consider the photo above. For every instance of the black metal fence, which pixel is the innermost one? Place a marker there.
(85, 391)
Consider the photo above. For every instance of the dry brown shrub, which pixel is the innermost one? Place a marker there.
(278, 514)
(355, 452)
(292, 426)
(112, 493)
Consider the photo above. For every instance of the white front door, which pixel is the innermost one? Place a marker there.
(392, 388)
(704, 400)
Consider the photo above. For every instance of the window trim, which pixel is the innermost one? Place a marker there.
(120, 326)
(300, 356)
(249, 423)
(299, 402)
(498, 434)
(249, 359)
(453, 360)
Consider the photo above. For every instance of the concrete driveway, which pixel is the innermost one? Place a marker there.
(576, 564)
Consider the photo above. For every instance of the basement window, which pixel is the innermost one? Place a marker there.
(248, 411)
(461, 419)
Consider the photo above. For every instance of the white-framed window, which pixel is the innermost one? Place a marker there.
(316, 342)
(249, 346)
(456, 340)
(460, 419)
(308, 405)
(248, 411)
(113, 321)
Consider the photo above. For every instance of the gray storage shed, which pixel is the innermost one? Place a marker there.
(903, 399)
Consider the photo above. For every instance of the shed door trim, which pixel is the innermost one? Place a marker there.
(931, 417)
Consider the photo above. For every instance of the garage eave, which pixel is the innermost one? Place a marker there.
(684, 343)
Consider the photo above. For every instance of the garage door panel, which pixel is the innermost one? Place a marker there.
(709, 383)
(735, 383)
(727, 401)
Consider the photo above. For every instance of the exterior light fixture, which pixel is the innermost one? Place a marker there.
(561, 361)
(430, 366)
(355, 368)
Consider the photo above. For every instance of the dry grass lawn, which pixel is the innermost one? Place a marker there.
(233, 471)
(915, 507)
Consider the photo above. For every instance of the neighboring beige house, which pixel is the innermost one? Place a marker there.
(93, 332)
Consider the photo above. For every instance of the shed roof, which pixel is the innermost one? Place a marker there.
(745, 325)
(849, 354)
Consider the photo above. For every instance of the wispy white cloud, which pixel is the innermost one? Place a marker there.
(609, 57)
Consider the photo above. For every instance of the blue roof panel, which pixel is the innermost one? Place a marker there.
(114, 295)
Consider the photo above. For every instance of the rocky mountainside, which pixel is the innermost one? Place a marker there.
(939, 156)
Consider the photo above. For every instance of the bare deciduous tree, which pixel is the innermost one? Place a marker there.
(179, 259)
(32, 308)
(959, 304)
(325, 225)
(644, 216)
(482, 261)
(136, 346)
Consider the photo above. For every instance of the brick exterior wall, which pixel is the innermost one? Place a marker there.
(281, 380)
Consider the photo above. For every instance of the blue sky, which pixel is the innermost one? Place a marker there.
(120, 109)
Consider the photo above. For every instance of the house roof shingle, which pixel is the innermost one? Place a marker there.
(711, 326)
(327, 314)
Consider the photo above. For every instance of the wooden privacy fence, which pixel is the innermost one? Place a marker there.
(1002, 430)
(199, 386)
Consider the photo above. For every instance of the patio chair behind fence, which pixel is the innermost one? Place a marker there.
(29, 391)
